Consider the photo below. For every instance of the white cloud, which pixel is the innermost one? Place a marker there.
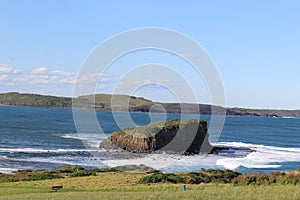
(39, 71)
(61, 73)
(3, 77)
(6, 70)
(56, 82)
(45, 71)
(43, 75)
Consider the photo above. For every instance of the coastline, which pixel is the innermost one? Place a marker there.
(55, 129)
(141, 105)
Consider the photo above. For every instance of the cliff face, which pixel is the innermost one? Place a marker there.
(181, 136)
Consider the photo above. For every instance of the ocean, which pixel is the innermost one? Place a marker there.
(46, 138)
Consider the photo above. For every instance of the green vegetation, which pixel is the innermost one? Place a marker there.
(18, 99)
(155, 136)
(35, 175)
(162, 178)
(29, 175)
(289, 178)
(153, 128)
(205, 176)
(120, 185)
(103, 102)
(165, 192)
(68, 169)
(41, 176)
(225, 176)
(83, 173)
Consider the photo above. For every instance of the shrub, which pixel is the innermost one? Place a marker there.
(205, 176)
(83, 173)
(68, 169)
(219, 176)
(162, 178)
(41, 176)
(106, 170)
(197, 178)
(172, 178)
(154, 178)
(7, 178)
(267, 179)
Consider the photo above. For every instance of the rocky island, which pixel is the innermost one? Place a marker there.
(174, 136)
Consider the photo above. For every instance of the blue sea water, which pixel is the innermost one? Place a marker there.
(46, 138)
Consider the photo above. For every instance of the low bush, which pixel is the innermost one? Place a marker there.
(83, 173)
(7, 178)
(205, 176)
(267, 179)
(162, 178)
(68, 169)
(41, 176)
(106, 170)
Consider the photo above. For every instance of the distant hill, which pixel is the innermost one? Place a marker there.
(103, 102)
(18, 99)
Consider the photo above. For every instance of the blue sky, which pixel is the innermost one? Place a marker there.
(254, 44)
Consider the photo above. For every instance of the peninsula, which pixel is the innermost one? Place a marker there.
(136, 104)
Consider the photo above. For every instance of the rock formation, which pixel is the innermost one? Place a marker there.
(180, 136)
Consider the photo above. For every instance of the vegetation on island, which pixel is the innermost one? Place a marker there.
(155, 127)
(103, 102)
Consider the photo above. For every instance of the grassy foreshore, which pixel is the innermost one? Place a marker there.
(118, 185)
(125, 185)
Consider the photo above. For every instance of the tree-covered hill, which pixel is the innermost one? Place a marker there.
(120, 103)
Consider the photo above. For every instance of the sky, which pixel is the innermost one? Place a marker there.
(255, 46)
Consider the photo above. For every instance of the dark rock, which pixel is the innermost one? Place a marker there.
(174, 136)
(135, 168)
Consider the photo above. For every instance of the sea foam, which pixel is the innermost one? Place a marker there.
(261, 157)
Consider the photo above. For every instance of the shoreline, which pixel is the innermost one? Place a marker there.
(115, 157)
(108, 110)
(234, 156)
(143, 105)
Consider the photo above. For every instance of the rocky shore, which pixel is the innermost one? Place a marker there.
(173, 136)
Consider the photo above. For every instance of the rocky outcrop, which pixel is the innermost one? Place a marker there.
(180, 136)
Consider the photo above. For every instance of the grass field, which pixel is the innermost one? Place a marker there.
(124, 186)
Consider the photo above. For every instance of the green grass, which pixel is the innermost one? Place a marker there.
(112, 184)
(119, 185)
(153, 128)
(102, 101)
